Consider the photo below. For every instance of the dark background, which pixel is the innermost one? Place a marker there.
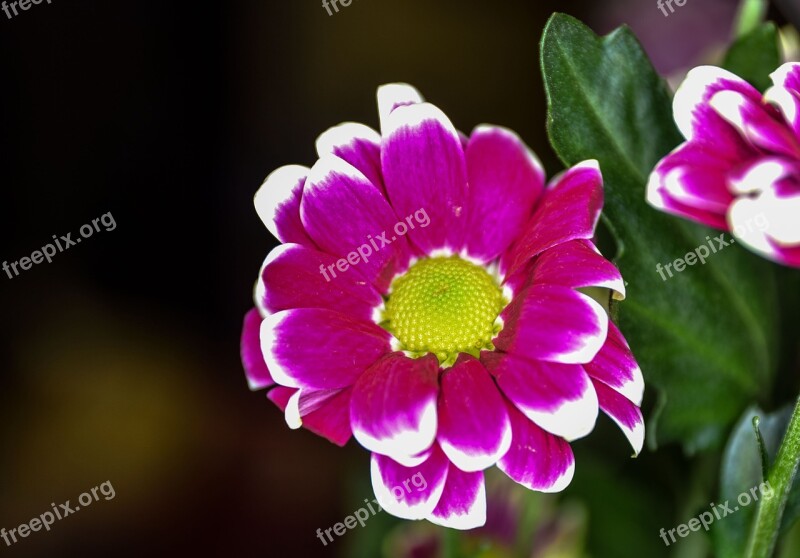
(120, 359)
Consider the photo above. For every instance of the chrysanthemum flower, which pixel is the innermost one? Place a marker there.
(739, 169)
(463, 340)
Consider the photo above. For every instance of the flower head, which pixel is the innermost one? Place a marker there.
(739, 169)
(427, 301)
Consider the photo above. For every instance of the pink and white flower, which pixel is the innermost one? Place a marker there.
(739, 169)
(461, 345)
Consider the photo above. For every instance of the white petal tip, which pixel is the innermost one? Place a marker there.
(345, 134)
(406, 446)
(278, 188)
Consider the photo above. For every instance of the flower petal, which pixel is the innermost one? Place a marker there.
(787, 76)
(393, 411)
(280, 395)
(319, 348)
(505, 180)
(305, 401)
(537, 460)
(357, 144)
(424, 168)
(616, 366)
(778, 239)
(409, 492)
(770, 204)
(555, 323)
(295, 276)
(693, 115)
(661, 199)
(327, 416)
(278, 204)
(762, 174)
(393, 95)
(255, 367)
(756, 121)
(575, 264)
(463, 501)
(569, 209)
(788, 103)
(342, 210)
(558, 397)
(627, 415)
(696, 175)
(787, 255)
(474, 430)
(785, 94)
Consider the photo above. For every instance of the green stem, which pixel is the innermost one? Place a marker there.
(768, 519)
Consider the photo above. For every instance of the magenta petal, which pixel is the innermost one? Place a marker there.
(692, 181)
(318, 348)
(424, 169)
(537, 460)
(278, 204)
(627, 415)
(576, 264)
(557, 397)
(555, 323)
(329, 417)
(281, 395)
(694, 116)
(393, 410)
(787, 255)
(357, 144)
(463, 501)
(661, 199)
(331, 420)
(505, 180)
(474, 430)
(342, 211)
(788, 103)
(616, 366)
(568, 210)
(255, 367)
(295, 276)
(409, 492)
(700, 188)
(758, 122)
(696, 174)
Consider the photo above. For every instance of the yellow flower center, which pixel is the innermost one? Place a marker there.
(444, 306)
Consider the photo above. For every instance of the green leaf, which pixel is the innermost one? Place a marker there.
(705, 337)
(754, 56)
(741, 471)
